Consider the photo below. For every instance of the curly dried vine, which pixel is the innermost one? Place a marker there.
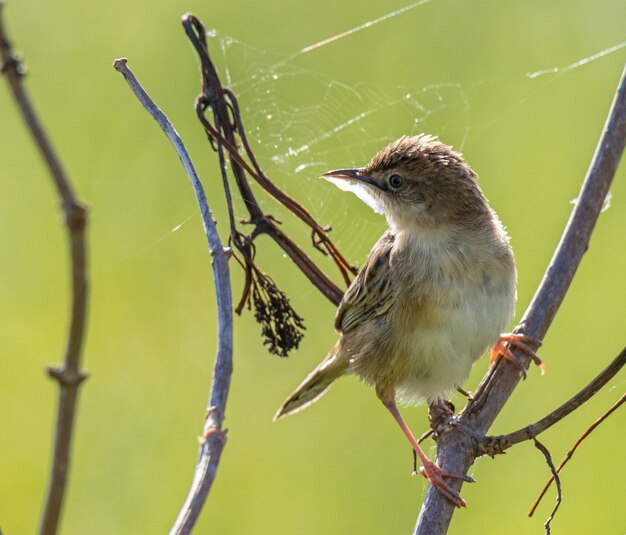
(282, 328)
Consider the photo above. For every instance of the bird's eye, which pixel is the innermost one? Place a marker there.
(395, 181)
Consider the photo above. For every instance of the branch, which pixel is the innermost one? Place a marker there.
(571, 451)
(69, 376)
(555, 477)
(457, 448)
(496, 445)
(213, 436)
(281, 326)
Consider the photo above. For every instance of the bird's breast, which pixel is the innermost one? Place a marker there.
(448, 311)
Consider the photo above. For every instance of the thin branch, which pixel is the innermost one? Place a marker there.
(213, 436)
(498, 444)
(69, 376)
(555, 476)
(227, 136)
(457, 448)
(571, 451)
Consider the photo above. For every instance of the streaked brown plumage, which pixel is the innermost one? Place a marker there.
(435, 292)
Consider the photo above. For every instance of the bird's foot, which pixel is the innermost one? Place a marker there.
(436, 475)
(520, 341)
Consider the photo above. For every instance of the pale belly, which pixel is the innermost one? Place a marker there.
(423, 353)
(439, 355)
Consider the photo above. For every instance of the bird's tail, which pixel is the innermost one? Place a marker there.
(315, 384)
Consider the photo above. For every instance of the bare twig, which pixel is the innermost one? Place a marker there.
(213, 436)
(457, 448)
(69, 376)
(224, 129)
(571, 451)
(495, 445)
(555, 476)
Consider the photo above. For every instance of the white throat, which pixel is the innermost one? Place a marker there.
(359, 190)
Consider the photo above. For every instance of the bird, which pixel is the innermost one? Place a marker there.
(434, 295)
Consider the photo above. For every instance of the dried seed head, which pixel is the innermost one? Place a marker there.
(282, 328)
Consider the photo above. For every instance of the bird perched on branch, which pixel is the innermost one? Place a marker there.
(435, 293)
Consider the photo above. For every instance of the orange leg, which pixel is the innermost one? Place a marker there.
(520, 341)
(429, 469)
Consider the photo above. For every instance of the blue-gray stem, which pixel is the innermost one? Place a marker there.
(214, 437)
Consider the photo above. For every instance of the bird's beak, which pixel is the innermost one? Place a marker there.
(357, 175)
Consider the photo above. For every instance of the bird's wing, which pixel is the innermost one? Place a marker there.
(371, 292)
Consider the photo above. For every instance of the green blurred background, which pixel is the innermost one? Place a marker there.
(452, 68)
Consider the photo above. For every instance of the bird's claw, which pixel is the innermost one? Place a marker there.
(520, 341)
(436, 475)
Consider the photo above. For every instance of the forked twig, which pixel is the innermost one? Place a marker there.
(213, 436)
(555, 476)
(571, 451)
(498, 444)
(69, 375)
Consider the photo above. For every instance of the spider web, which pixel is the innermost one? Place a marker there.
(309, 128)
(302, 122)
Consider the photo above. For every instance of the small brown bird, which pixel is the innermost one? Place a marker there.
(434, 294)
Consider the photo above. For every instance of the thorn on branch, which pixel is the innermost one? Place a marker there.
(11, 60)
(75, 217)
(212, 410)
(223, 250)
(65, 376)
(213, 431)
(274, 219)
(14, 63)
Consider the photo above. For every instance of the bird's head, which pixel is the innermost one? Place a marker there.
(417, 181)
